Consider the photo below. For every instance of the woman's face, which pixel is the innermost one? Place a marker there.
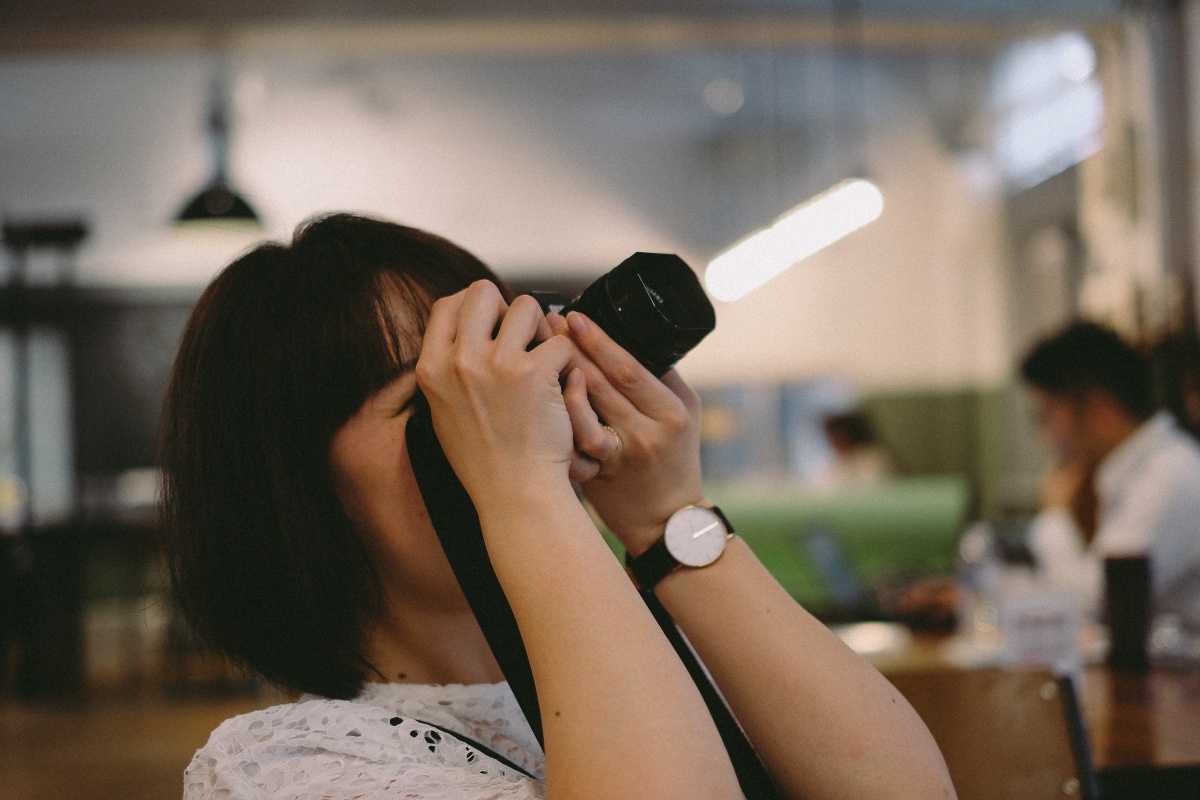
(375, 483)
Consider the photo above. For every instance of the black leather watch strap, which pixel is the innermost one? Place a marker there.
(651, 566)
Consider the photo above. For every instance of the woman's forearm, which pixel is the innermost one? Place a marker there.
(621, 716)
(825, 722)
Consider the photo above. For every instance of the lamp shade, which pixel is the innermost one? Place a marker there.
(217, 201)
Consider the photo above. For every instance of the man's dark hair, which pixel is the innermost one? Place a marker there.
(853, 427)
(281, 350)
(1084, 357)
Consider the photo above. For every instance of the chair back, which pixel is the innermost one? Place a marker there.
(1005, 734)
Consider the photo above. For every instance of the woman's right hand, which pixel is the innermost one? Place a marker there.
(497, 406)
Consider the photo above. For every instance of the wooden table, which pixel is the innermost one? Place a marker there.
(1134, 720)
(1142, 719)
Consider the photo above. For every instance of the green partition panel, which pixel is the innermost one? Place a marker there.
(966, 431)
(905, 527)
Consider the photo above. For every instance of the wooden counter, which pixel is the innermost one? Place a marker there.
(1143, 728)
(1142, 719)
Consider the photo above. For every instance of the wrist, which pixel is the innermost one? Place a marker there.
(638, 538)
(638, 525)
(513, 484)
(529, 525)
(532, 496)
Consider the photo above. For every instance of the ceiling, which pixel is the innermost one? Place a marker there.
(225, 12)
(48, 25)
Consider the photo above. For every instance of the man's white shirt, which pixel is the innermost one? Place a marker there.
(1149, 502)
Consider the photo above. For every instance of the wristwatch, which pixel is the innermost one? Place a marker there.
(695, 536)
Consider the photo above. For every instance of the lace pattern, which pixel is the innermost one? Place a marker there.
(373, 747)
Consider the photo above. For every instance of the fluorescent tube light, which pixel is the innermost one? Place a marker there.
(806, 229)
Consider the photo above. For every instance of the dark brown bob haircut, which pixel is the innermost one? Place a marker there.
(281, 350)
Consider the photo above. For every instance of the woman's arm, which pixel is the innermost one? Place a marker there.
(621, 718)
(825, 722)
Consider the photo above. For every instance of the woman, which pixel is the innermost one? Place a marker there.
(302, 549)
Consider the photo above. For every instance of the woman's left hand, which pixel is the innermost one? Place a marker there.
(644, 432)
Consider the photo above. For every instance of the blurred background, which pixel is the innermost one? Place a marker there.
(1033, 160)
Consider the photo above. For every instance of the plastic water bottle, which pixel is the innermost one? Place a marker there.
(979, 574)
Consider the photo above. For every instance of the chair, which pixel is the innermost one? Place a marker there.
(1005, 734)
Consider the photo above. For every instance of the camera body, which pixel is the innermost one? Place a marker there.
(652, 304)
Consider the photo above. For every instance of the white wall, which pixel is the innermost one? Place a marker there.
(916, 299)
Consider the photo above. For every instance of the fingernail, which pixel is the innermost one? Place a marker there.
(575, 377)
(578, 323)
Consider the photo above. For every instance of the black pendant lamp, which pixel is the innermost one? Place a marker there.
(217, 201)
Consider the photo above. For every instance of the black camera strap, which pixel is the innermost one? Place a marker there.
(469, 742)
(457, 525)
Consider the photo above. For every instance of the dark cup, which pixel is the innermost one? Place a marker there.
(1127, 605)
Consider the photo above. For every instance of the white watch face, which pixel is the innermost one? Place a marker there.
(695, 536)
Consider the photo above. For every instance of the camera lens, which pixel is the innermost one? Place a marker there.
(651, 304)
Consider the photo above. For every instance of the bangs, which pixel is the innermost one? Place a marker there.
(400, 311)
(372, 287)
(372, 335)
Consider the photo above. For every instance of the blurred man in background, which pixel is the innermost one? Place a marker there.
(1126, 480)
(860, 458)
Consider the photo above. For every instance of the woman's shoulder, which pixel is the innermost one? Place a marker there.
(343, 748)
(270, 726)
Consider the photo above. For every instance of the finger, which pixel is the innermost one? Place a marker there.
(607, 401)
(624, 373)
(681, 390)
(610, 403)
(437, 343)
(442, 325)
(483, 308)
(557, 323)
(557, 353)
(619, 388)
(545, 329)
(582, 469)
(521, 323)
(592, 437)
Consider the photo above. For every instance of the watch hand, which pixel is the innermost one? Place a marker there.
(704, 530)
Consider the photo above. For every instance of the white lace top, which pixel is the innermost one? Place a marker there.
(373, 747)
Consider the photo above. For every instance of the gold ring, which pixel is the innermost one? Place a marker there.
(615, 436)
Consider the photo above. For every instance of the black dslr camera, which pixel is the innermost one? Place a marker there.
(651, 304)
